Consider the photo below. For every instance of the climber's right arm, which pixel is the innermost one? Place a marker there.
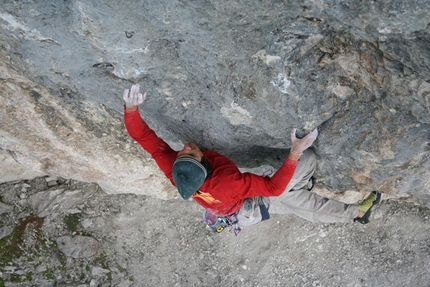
(160, 151)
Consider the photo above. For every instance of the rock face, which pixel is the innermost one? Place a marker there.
(234, 76)
(78, 246)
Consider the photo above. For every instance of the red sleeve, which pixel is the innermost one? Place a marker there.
(160, 151)
(266, 186)
(282, 177)
(229, 185)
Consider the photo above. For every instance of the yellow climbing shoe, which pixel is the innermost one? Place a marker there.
(366, 206)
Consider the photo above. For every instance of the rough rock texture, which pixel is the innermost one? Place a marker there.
(235, 76)
(83, 237)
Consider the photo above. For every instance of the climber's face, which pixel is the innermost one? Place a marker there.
(191, 150)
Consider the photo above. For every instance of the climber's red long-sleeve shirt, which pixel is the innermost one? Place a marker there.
(224, 192)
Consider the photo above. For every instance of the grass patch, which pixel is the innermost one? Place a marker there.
(15, 278)
(72, 221)
(49, 274)
(102, 261)
(12, 246)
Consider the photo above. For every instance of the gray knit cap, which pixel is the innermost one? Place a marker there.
(189, 175)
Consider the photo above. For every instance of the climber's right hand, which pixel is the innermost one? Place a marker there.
(300, 145)
(133, 97)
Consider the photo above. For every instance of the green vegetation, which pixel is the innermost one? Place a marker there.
(12, 246)
(102, 261)
(6, 258)
(49, 274)
(15, 278)
(72, 221)
(27, 242)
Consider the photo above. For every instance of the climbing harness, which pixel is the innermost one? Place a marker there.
(252, 211)
(219, 223)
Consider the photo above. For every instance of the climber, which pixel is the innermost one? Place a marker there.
(231, 196)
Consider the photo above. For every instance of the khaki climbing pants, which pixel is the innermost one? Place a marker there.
(307, 204)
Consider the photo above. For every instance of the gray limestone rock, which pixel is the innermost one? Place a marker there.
(235, 76)
(5, 208)
(77, 246)
(135, 240)
(5, 231)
